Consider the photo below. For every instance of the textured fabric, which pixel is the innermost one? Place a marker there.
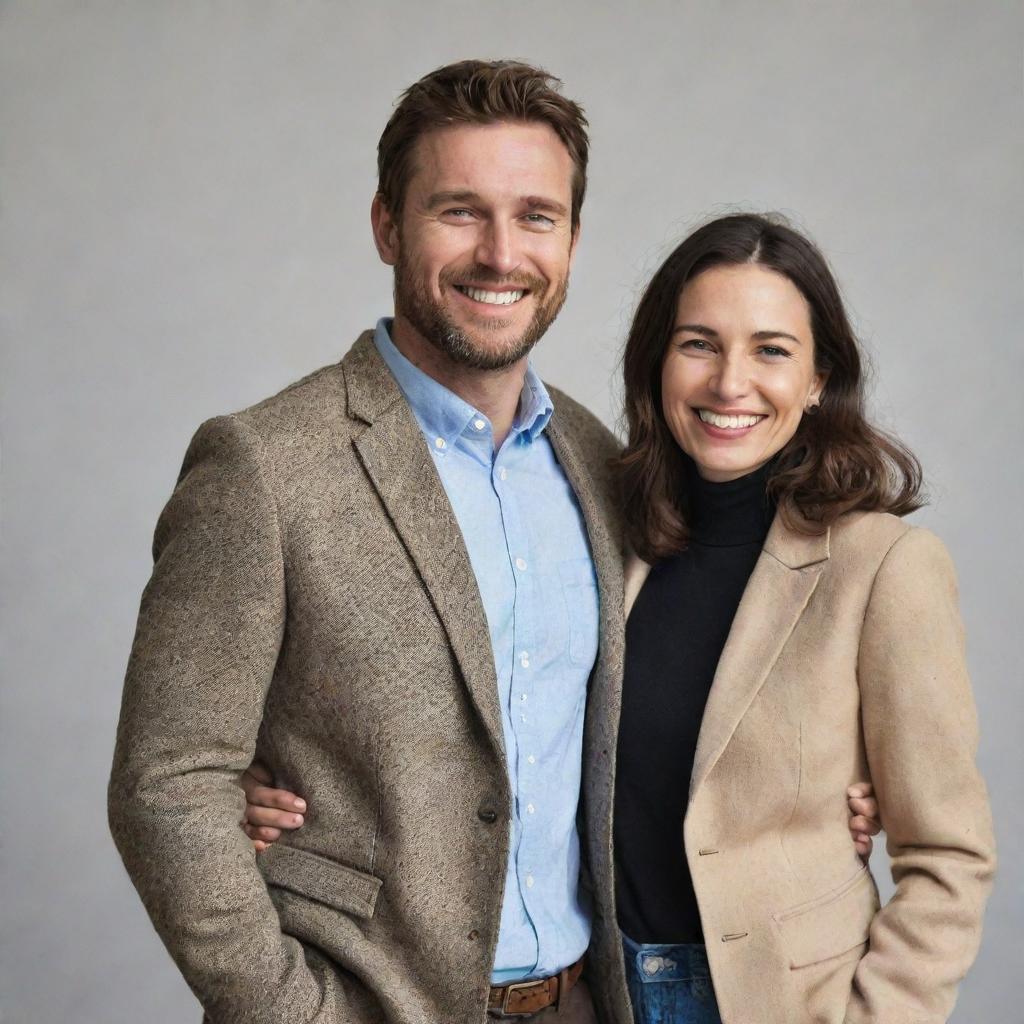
(527, 544)
(312, 603)
(669, 983)
(845, 662)
(670, 663)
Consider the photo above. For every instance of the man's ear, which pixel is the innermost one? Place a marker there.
(385, 231)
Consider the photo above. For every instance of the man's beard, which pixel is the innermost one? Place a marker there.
(431, 321)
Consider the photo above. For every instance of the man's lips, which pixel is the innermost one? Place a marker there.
(492, 296)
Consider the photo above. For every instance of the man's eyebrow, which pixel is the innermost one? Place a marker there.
(466, 196)
(452, 196)
(543, 203)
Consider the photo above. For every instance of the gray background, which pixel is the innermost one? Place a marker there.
(184, 194)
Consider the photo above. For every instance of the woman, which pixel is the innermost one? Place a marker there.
(769, 509)
(768, 506)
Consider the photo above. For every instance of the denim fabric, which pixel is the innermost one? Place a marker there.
(669, 984)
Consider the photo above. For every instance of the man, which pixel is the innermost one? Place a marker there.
(387, 584)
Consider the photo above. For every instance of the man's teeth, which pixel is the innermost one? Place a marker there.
(727, 422)
(494, 298)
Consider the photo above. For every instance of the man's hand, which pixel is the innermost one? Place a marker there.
(268, 811)
(864, 821)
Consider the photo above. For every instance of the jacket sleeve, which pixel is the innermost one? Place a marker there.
(921, 734)
(209, 631)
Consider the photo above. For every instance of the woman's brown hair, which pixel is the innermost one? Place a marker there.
(836, 462)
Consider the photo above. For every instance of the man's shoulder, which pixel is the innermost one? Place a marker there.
(312, 404)
(582, 425)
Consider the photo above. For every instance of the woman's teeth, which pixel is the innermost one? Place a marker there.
(494, 298)
(727, 422)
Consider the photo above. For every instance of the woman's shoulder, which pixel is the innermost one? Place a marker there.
(877, 537)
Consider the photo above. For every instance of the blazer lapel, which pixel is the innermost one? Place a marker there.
(779, 588)
(395, 457)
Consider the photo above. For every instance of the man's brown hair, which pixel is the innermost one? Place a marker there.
(478, 92)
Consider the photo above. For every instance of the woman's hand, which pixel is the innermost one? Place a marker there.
(864, 821)
(268, 811)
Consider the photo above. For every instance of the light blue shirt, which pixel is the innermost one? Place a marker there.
(528, 546)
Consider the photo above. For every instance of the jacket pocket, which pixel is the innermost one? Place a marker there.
(320, 879)
(831, 924)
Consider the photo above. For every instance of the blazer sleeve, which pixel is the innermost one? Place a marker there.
(209, 631)
(921, 734)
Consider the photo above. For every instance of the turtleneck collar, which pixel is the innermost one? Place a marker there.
(730, 513)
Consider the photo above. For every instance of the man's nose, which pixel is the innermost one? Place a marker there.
(496, 248)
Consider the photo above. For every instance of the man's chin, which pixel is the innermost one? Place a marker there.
(484, 351)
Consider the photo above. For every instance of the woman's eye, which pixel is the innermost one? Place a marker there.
(774, 351)
(695, 344)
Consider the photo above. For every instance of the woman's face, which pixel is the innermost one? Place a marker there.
(739, 369)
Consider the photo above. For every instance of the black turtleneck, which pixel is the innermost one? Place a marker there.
(674, 638)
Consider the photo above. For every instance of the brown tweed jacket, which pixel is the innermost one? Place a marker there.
(312, 604)
(844, 662)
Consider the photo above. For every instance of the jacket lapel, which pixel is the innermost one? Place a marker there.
(779, 588)
(397, 461)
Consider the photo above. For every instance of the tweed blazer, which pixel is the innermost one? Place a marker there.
(312, 604)
(845, 662)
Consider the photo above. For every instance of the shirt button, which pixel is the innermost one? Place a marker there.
(479, 424)
(524, 659)
(503, 473)
(529, 881)
(522, 697)
(439, 442)
(531, 759)
(521, 564)
(530, 808)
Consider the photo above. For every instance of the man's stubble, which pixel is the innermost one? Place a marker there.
(431, 321)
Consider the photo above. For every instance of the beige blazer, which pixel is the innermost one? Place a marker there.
(312, 603)
(845, 661)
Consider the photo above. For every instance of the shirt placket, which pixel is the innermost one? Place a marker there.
(524, 709)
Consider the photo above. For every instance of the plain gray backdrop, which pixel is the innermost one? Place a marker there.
(184, 193)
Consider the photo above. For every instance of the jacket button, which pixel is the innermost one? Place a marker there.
(474, 934)
(487, 815)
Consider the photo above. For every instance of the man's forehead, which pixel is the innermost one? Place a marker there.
(507, 158)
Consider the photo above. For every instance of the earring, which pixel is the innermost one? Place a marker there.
(812, 408)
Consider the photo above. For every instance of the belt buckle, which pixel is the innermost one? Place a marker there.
(515, 987)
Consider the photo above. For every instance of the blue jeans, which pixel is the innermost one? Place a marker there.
(669, 984)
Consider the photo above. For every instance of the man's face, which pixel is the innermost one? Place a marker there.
(484, 245)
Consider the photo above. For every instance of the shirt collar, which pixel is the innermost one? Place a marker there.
(442, 413)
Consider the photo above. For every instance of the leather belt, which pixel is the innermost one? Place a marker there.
(522, 998)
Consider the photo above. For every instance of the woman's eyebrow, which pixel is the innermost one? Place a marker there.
(708, 332)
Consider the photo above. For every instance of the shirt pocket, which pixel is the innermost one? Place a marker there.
(579, 588)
